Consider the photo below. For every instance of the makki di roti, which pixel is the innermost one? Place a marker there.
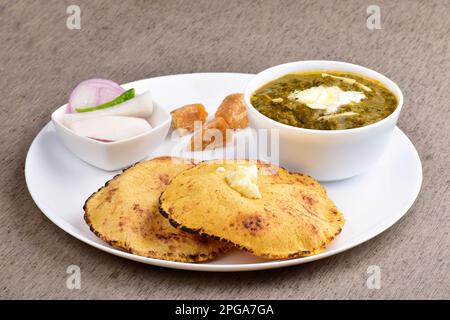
(124, 213)
(294, 217)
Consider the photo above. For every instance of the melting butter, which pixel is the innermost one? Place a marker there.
(244, 179)
(327, 98)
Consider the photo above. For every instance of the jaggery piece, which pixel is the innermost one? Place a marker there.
(184, 118)
(233, 110)
(215, 133)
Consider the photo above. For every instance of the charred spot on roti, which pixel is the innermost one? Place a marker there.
(164, 178)
(110, 194)
(253, 223)
(309, 201)
(137, 208)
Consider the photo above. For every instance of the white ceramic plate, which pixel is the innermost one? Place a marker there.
(372, 202)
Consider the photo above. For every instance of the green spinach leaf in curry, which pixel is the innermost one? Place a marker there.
(275, 101)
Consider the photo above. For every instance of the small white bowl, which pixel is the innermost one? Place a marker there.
(119, 154)
(326, 155)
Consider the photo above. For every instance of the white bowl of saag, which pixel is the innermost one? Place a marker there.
(333, 119)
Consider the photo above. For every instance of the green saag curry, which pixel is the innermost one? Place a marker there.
(275, 100)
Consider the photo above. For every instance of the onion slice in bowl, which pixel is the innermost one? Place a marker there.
(141, 106)
(93, 92)
(110, 128)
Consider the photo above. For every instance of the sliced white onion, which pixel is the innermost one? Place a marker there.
(93, 92)
(110, 128)
(140, 106)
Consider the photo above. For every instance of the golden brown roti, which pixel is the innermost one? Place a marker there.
(125, 214)
(294, 217)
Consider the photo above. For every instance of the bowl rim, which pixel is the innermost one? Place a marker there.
(102, 143)
(383, 79)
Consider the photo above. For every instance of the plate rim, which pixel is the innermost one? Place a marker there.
(375, 231)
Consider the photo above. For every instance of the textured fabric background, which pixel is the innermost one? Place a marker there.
(41, 61)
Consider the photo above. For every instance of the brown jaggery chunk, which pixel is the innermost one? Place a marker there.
(214, 134)
(184, 118)
(233, 110)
